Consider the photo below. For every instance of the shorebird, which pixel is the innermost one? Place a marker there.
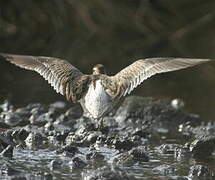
(97, 93)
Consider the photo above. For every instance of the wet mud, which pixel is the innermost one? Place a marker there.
(144, 138)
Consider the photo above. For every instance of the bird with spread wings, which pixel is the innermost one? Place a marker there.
(97, 92)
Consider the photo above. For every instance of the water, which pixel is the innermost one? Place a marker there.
(30, 162)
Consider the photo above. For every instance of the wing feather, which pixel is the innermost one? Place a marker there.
(59, 73)
(133, 75)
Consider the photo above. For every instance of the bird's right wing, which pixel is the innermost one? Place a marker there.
(59, 73)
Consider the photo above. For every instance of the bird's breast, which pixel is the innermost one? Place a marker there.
(96, 101)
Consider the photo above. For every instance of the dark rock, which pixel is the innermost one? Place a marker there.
(131, 157)
(36, 108)
(84, 136)
(23, 113)
(20, 134)
(199, 171)
(52, 115)
(105, 173)
(49, 126)
(12, 118)
(73, 139)
(102, 139)
(61, 136)
(94, 155)
(86, 127)
(7, 152)
(203, 129)
(109, 120)
(93, 136)
(6, 106)
(69, 117)
(140, 132)
(42, 176)
(5, 169)
(62, 119)
(203, 146)
(136, 139)
(77, 163)
(168, 148)
(72, 150)
(165, 170)
(58, 135)
(139, 154)
(150, 113)
(35, 140)
(55, 164)
(40, 120)
(103, 129)
(182, 152)
(40, 115)
(123, 144)
(16, 118)
(6, 139)
(77, 139)
(47, 176)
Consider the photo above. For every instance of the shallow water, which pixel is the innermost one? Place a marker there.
(160, 166)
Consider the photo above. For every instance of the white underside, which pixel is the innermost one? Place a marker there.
(96, 101)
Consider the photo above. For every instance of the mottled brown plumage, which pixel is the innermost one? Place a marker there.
(97, 92)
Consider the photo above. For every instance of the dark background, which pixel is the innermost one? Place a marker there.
(114, 33)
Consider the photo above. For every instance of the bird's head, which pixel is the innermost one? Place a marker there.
(99, 69)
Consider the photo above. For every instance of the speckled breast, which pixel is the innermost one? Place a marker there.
(96, 101)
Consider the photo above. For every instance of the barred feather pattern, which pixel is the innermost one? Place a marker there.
(133, 75)
(59, 73)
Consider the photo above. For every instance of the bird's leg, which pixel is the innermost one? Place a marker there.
(100, 123)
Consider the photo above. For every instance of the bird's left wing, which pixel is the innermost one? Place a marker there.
(130, 77)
